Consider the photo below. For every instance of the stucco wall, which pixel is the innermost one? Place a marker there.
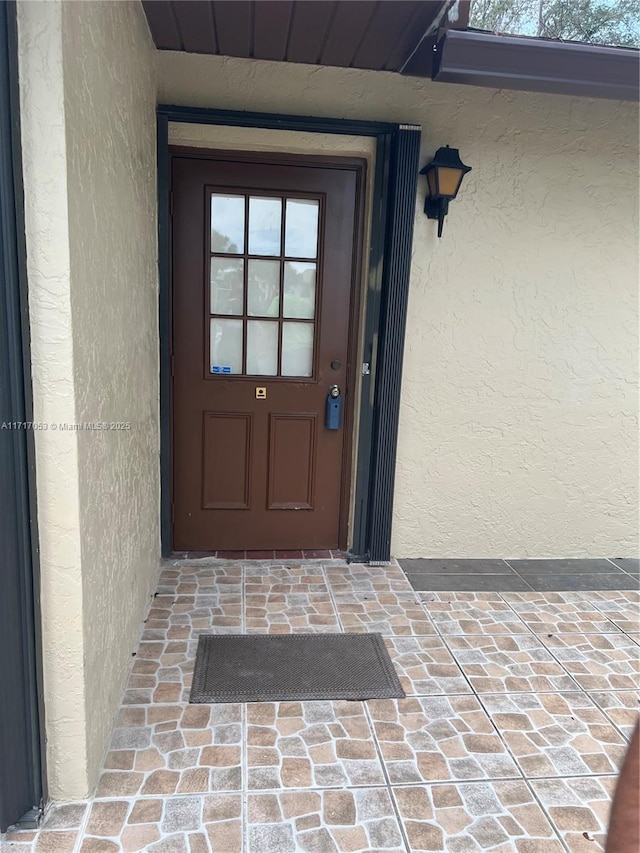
(88, 82)
(111, 141)
(518, 428)
(48, 269)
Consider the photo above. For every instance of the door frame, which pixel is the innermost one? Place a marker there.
(358, 165)
(23, 784)
(387, 289)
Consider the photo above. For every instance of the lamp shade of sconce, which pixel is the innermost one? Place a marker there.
(444, 176)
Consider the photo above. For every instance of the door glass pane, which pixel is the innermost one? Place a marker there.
(301, 230)
(265, 225)
(299, 290)
(297, 349)
(227, 223)
(226, 346)
(262, 347)
(226, 285)
(263, 289)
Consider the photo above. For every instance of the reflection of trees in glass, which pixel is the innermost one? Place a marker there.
(221, 243)
(226, 285)
(264, 288)
(226, 344)
(297, 349)
(611, 22)
(262, 347)
(265, 217)
(300, 290)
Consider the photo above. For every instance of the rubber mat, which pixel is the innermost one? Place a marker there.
(292, 667)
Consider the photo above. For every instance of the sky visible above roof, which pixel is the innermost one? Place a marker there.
(605, 22)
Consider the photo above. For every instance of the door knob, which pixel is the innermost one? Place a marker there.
(334, 391)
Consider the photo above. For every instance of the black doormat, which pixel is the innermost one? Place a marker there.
(292, 667)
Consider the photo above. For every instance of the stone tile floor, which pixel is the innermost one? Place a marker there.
(477, 575)
(517, 712)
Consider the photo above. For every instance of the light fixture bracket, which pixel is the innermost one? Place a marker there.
(436, 208)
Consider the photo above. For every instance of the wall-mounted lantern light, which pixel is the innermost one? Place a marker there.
(444, 176)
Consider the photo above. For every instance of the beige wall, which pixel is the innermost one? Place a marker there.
(518, 432)
(48, 268)
(88, 102)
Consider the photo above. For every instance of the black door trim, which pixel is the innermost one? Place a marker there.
(22, 750)
(397, 163)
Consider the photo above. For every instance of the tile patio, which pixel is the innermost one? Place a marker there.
(518, 709)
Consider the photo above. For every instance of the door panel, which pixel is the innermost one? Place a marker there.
(292, 456)
(227, 460)
(263, 259)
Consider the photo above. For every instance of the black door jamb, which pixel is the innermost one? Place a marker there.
(22, 751)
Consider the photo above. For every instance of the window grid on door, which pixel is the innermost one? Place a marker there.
(263, 284)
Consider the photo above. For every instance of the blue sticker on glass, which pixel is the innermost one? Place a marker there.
(221, 368)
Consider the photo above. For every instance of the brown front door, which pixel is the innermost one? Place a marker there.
(263, 267)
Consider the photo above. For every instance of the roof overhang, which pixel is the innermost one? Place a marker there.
(423, 38)
(364, 34)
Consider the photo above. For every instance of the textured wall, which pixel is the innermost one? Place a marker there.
(48, 268)
(88, 92)
(518, 426)
(110, 118)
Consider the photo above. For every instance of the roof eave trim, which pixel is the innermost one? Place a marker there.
(530, 64)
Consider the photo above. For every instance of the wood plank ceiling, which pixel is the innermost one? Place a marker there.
(345, 33)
